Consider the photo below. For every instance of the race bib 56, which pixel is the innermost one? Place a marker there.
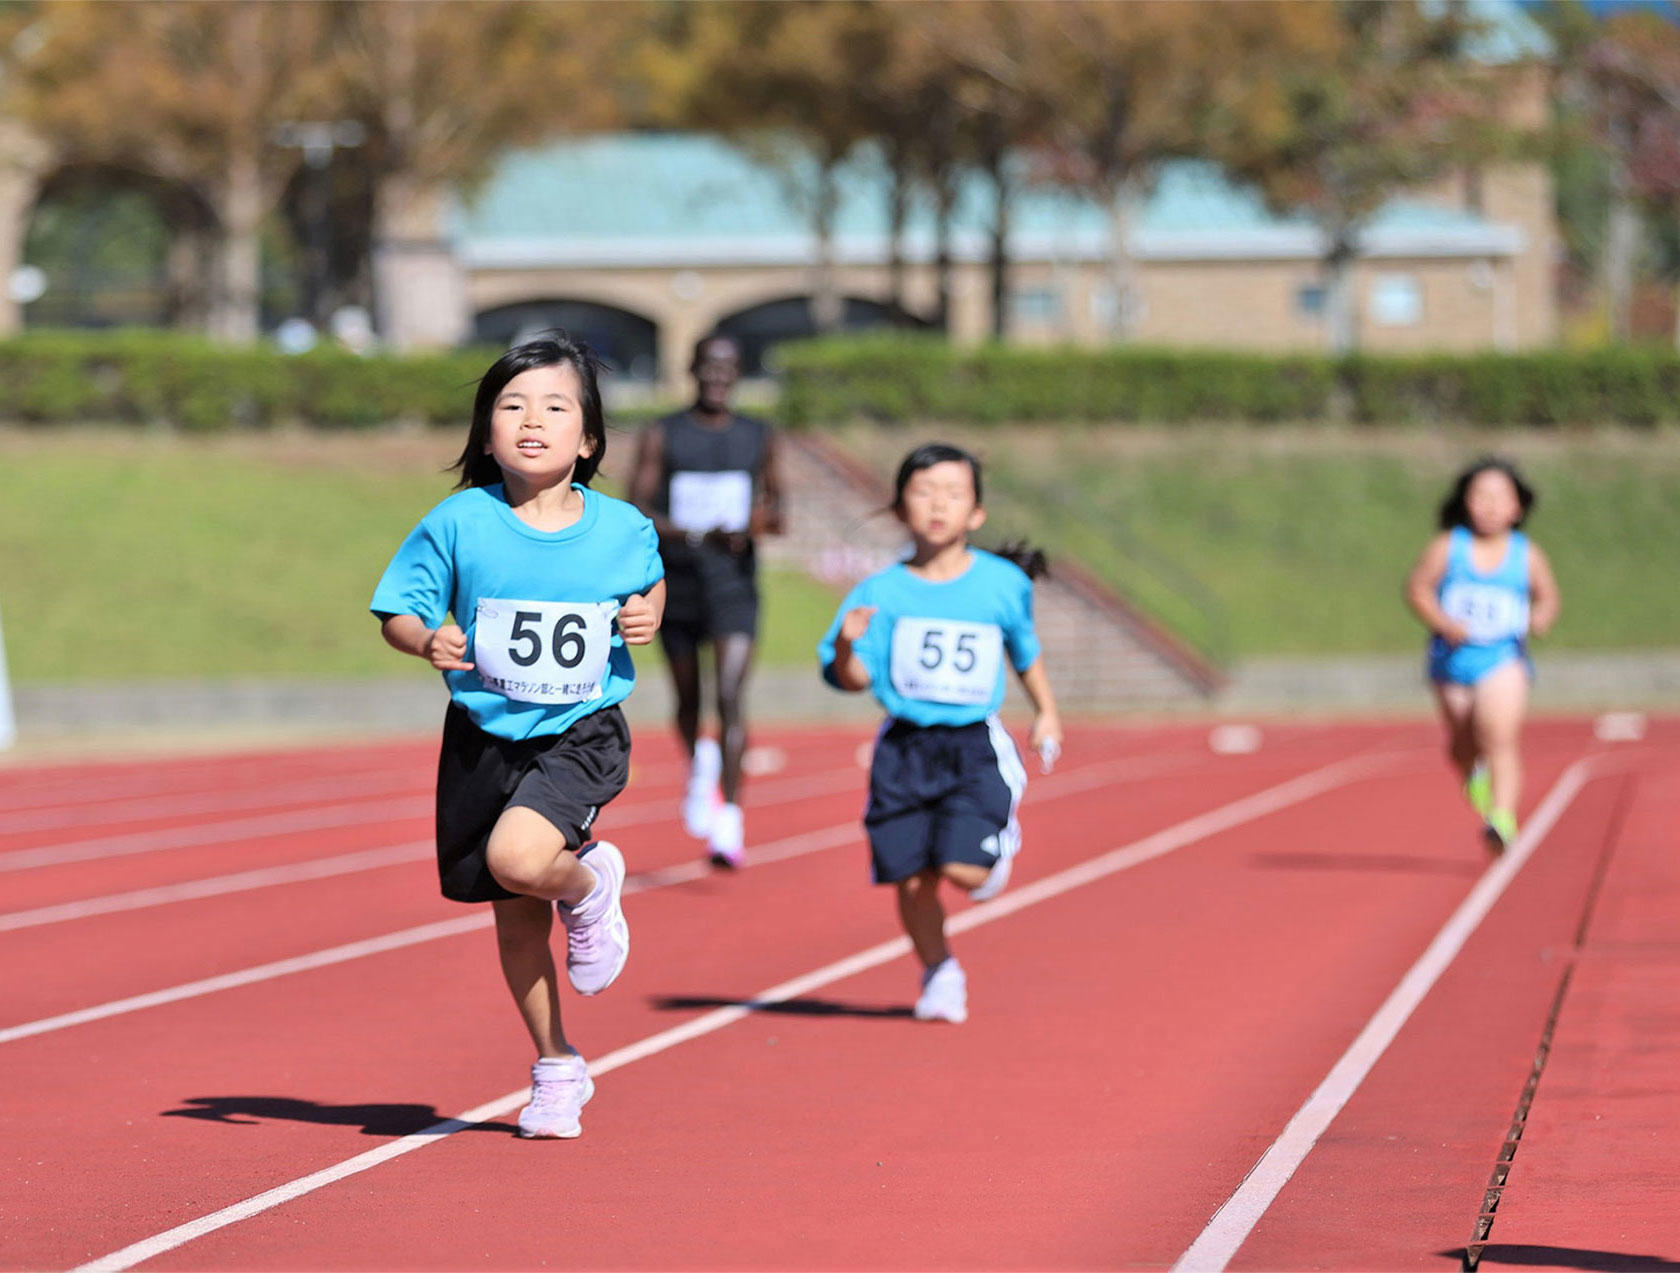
(543, 651)
(946, 660)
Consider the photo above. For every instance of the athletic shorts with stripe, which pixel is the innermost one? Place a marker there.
(942, 793)
(564, 777)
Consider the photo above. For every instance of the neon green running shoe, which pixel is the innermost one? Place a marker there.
(1479, 791)
(1501, 830)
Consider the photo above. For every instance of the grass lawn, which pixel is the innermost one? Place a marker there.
(1302, 536)
(129, 556)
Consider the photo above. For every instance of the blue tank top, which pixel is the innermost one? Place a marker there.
(1493, 607)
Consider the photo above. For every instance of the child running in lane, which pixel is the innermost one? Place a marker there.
(1482, 588)
(523, 589)
(928, 636)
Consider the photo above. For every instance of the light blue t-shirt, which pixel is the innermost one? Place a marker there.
(537, 606)
(935, 651)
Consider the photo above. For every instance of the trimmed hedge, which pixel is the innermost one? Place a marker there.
(150, 377)
(912, 377)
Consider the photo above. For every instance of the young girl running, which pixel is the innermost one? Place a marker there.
(1482, 588)
(524, 589)
(928, 637)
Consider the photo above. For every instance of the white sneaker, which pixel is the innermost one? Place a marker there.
(728, 837)
(560, 1087)
(597, 937)
(701, 800)
(944, 994)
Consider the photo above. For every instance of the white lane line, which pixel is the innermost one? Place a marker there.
(639, 813)
(163, 806)
(1246, 809)
(218, 885)
(1066, 783)
(1218, 1243)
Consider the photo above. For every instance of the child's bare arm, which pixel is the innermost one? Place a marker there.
(849, 671)
(1421, 585)
(1046, 736)
(1544, 600)
(444, 647)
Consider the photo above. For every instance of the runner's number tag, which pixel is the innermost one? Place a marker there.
(543, 651)
(1488, 613)
(711, 501)
(946, 660)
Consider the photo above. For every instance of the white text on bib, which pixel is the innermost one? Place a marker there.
(946, 660)
(1488, 612)
(543, 651)
(711, 501)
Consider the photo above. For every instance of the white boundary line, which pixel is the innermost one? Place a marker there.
(1218, 1243)
(1269, 800)
(1084, 778)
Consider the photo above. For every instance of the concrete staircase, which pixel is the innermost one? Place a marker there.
(1102, 653)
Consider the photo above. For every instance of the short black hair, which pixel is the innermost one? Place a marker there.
(1453, 511)
(551, 349)
(925, 457)
(1019, 551)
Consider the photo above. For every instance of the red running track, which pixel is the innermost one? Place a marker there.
(1144, 1023)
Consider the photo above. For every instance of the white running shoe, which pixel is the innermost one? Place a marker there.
(728, 838)
(597, 937)
(944, 994)
(560, 1087)
(701, 800)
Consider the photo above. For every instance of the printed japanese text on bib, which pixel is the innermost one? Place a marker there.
(543, 651)
(1488, 612)
(946, 660)
(711, 501)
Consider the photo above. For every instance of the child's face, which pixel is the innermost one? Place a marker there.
(938, 504)
(1491, 503)
(536, 426)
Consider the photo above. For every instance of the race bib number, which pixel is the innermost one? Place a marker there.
(543, 651)
(1488, 613)
(946, 660)
(711, 501)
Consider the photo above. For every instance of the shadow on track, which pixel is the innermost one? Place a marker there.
(1567, 1257)
(374, 1119)
(805, 1007)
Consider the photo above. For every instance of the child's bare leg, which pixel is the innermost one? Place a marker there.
(1501, 700)
(923, 916)
(522, 929)
(1457, 704)
(965, 875)
(527, 854)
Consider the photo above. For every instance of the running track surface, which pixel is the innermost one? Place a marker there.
(1288, 1025)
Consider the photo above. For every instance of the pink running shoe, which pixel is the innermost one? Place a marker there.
(597, 937)
(560, 1087)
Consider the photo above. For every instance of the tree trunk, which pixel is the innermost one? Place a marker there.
(827, 306)
(1339, 326)
(944, 211)
(898, 212)
(1124, 202)
(235, 306)
(1004, 194)
(1621, 241)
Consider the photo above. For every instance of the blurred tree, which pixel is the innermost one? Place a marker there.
(1343, 108)
(798, 102)
(187, 91)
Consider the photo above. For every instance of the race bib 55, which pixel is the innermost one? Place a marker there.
(946, 660)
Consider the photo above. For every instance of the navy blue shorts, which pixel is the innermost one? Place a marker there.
(942, 793)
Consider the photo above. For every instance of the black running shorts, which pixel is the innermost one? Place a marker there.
(564, 777)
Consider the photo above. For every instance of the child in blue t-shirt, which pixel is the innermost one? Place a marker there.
(1482, 588)
(524, 589)
(929, 637)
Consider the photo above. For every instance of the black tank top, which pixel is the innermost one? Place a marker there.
(690, 447)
